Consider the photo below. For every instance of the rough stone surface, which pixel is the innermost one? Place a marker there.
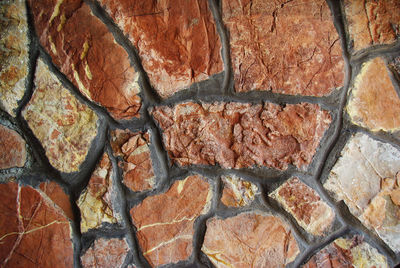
(288, 47)
(238, 192)
(13, 53)
(12, 148)
(367, 179)
(375, 103)
(372, 22)
(63, 125)
(345, 252)
(105, 253)
(165, 222)
(249, 240)
(83, 48)
(133, 148)
(177, 40)
(33, 232)
(238, 135)
(306, 206)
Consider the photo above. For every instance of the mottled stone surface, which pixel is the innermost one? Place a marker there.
(177, 40)
(238, 135)
(13, 53)
(347, 252)
(12, 148)
(105, 253)
(249, 240)
(133, 148)
(63, 125)
(164, 222)
(288, 47)
(83, 48)
(374, 102)
(33, 232)
(371, 22)
(367, 179)
(238, 192)
(306, 206)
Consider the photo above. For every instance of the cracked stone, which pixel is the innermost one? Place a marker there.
(367, 179)
(177, 40)
(372, 22)
(374, 102)
(288, 47)
(133, 148)
(306, 206)
(249, 240)
(63, 125)
(239, 135)
(106, 253)
(86, 52)
(14, 48)
(59, 199)
(164, 222)
(12, 148)
(33, 231)
(238, 192)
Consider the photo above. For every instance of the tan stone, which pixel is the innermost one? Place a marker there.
(238, 192)
(12, 148)
(105, 253)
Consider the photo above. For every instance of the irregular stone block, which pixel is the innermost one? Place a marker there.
(165, 222)
(249, 240)
(177, 40)
(237, 192)
(86, 52)
(239, 135)
(288, 47)
(63, 125)
(12, 148)
(106, 253)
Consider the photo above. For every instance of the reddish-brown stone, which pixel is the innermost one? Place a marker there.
(12, 148)
(288, 47)
(238, 135)
(83, 48)
(105, 253)
(177, 40)
(59, 198)
(165, 222)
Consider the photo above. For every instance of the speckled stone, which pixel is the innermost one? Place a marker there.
(12, 148)
(238, 192)
(106, 253)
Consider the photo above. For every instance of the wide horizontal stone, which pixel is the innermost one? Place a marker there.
(85, 51)
(177, 40)
(239, 135)
(249, 240)
(106, 253)
(288, 47)
(63, 125)
(238, 192)
(12, 148)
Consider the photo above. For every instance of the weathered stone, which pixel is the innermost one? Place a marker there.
(12, 148)
(59, 199)
(165, 222)
(63, 125)
(106, 253)
(288, 47)
(177, 40)
(375, 103)
(372, 22)
(86, 52)
(306, 206)
(13, 53)
(345, 252)
(367, 179)
(33, 232)
(133, 148)
(238, 135)
(249, 240)
(238, 192)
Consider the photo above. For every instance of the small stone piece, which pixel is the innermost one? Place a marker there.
(249, 240)
(64, 126)
(177, 40)
(238, 192)
(239, 135)
(306, 206)
(133, 148)
(12, 148)
(14, 48)
(366, 178)
(165, 222)
(372, 22)
(106, 253)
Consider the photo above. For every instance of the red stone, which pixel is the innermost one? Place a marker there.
(60, 199)
(12, 149)
(105, 253)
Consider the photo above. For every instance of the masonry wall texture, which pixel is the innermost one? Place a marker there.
(199, 133)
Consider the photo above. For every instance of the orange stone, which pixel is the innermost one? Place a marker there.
(105, 253)
(12, 148)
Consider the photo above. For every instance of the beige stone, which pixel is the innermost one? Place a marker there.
(238, 192)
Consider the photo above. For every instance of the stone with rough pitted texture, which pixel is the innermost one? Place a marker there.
(12, 148)
(106, 253)
(238, 192)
